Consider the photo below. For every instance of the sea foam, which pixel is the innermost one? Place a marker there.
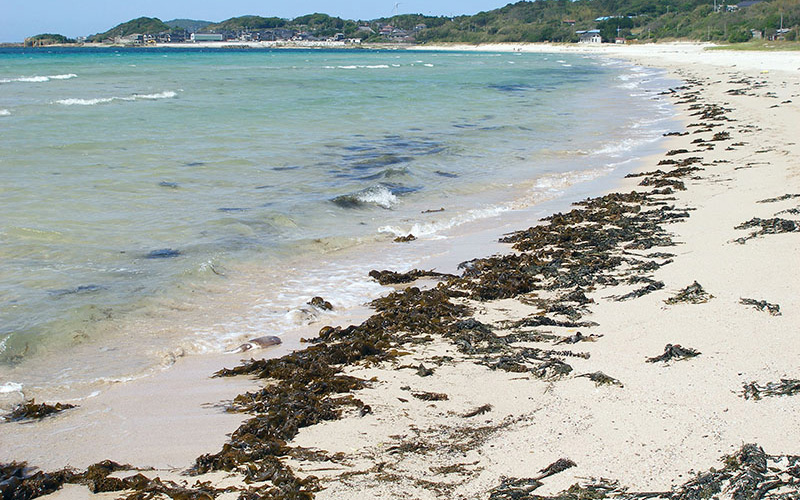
(104, 100)
(39, 79)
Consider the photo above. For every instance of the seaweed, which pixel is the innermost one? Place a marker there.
(430, 396)
(394, 278)
(721, 136)
(17, 484)
(405, 239)
(600, 378)
(693, 294)
(320, 303)
(675, 351)
(30, 410)
(424, 371)
(673, 152)
(478, 411)
(786, 387)
(773, 309)
(640, 292)
(774, 225)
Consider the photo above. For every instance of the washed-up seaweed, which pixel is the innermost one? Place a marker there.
(761, 305)
(786, 387)
(779, 198)
(640, 292)
(775, 225)
(478, 411)
(16, 482)
(692, 294)
(320, 303)
(748, 474)
(31, 410)
(405, 239)
(600, 378)
(674, 352)
(394, 278)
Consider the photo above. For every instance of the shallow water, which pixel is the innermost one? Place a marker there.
(162, 202)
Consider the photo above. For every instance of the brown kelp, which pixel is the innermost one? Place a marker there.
(762, 305)
(692, 294)
(31, 410)
(748, 474)
(674, 352)
(775, 225)
(786, 387)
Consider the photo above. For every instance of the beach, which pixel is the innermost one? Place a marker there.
(639, 338)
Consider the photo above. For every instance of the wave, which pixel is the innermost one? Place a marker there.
(360, 66)
(5, 112)
(38, 79)
(104, 100)
(380, 195)
(10, 387)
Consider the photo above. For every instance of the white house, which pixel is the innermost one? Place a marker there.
(591, 36)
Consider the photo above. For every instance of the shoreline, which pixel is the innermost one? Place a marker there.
(573, 406)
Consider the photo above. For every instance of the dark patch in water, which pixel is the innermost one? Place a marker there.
(167, 184)
(232, 209)
(385, 174)
(195, 164)
(163, 253)
(266, 186)
(511, 87)
(283, 169)
(449, 175)
(380, 161)
(79, 289)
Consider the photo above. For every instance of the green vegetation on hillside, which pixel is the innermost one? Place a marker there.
(557, 20)
(47, 39)
(142, 25)
(247, 22)
(190, 25)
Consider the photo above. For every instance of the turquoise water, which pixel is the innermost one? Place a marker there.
(143, 188)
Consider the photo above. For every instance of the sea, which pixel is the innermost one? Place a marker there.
(157, 203)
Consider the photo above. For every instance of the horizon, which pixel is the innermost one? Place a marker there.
(89, 17)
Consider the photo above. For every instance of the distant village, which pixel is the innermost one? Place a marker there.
(387, 31)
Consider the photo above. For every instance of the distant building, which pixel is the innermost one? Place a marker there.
(134, 39)
(569, 22)
(619, 40)
(207, 37)
(757, 34)
(591, 36)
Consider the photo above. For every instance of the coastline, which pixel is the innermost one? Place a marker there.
(631, 434)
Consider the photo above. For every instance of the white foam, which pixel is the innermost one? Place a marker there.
(378, 195)
(5, 112)
(428, 229)
(39, 79)
(10, 387)
(104, 100)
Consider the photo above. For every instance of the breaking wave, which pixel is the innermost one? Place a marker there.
(38, 79)
(103, 100)
(380, 195)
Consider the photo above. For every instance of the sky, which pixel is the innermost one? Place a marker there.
(23, 18)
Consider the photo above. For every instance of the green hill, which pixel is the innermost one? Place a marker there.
(557, 20)
(143, 25)
(247, 22)
(190, 25)
(47, 39)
